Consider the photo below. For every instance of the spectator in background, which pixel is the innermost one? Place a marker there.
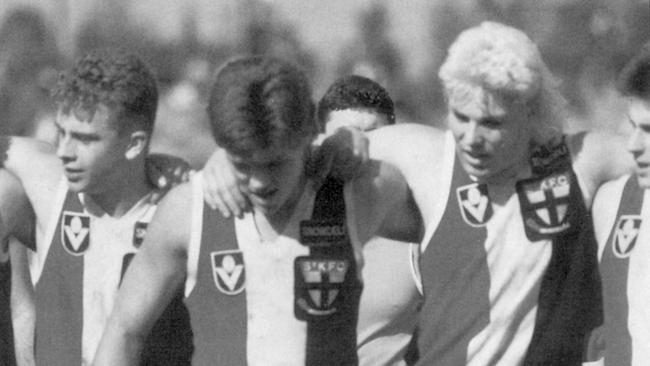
(29, 58)
(391, 295)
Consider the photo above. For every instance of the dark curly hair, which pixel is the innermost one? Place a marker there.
(258, 102)
(118, 80)
(355, 92)
(634, 80)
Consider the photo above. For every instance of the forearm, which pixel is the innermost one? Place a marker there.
(22, 305)
(119, 347)
(23, 324)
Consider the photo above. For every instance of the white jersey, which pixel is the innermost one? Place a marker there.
(111, 242)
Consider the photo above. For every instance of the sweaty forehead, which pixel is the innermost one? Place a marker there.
(361, 118)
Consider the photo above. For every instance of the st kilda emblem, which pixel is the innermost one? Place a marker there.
(318, 283)
(474, 204)
(544, 204)
(75, 232)
(228, 271)
(625, 235)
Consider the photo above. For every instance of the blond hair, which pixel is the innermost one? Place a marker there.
(503, 61)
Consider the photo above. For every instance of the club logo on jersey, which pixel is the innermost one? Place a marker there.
(75, 232)
(627, 231)
(474, 204)
(228, 271)
(139, 231)
(322, 233)
(318, 283)
(544, 204)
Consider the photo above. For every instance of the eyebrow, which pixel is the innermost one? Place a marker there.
(79, 135)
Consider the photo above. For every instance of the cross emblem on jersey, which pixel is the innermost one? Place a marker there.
(318, 282)
(75, 232)
(474, 203)
(627, 231)
(544, 204)
(228, 271)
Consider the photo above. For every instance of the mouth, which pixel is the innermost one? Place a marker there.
(73, 175)
(475, 158)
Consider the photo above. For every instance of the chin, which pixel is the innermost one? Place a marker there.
(643, 180)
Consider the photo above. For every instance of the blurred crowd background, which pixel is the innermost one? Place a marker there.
(399, 43)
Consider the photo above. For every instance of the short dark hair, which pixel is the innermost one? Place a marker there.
(355, 91)
(634, 80)
(120, 81)
(258, 102)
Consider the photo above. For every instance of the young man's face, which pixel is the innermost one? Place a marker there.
(639, 142)
(92, 152)
(490, 142)
(364, 119)
(272, 177)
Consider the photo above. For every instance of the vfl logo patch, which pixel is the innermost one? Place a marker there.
(544, 204)
(627, 230)
(318, 282)
(228, 271)
(323, 233)
(474, 203)
(139, 231)
(75, 232)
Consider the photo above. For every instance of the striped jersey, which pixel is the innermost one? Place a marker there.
(623, 237)
(509, 272)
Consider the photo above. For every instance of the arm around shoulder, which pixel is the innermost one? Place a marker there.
(151, 281)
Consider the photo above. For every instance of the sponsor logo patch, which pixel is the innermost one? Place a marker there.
(318, 283)
(75, 232)
(228, 271)
(139, 231)
(323, 233)
(544, 205)
(625, 235)
(474, 203)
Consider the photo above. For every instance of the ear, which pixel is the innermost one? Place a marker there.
(138, 142)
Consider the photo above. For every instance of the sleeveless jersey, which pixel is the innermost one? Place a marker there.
(625, 270)
(509, 274)
(79, 276)
(275, 302)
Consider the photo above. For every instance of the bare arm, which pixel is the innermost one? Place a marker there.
(17, 220)
(152, 280)
(22, 304)
(384, 203)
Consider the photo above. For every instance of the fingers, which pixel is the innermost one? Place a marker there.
(221, 189)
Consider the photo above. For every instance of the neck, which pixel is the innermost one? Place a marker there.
(273, 224)
(516, 171)
(121, 194)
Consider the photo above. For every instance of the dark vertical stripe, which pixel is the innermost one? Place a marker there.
(453, 313)
(7, 357)
(219, 321)
(615, 272)
(570, 298)
(59, 301)
(332, 340)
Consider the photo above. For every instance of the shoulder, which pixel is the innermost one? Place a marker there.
(171, 223)
(407, 138)
(34, 162)
(605, 207)
(598, 157)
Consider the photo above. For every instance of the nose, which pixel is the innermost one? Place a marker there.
(472, 136)
(635, 143)
(65, 149)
